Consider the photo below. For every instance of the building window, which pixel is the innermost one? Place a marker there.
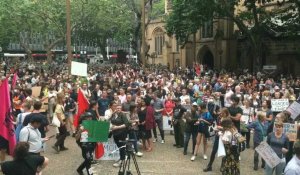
(207, 29)
(159, 41)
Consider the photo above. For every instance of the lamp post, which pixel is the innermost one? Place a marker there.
(68, 15)
(143, 33)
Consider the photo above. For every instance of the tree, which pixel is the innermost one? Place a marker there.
(188, 16)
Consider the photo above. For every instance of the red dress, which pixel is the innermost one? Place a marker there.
(150, 121)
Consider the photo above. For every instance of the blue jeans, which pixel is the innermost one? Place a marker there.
(187, 136)
(278, 169)
(133, 136)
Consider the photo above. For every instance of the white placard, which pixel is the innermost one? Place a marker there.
(79, 69)
(268, 154)
(166, 125)
(279, 105)
(110, 147)
(294, 109)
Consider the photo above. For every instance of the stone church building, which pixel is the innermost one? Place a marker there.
(228, 51)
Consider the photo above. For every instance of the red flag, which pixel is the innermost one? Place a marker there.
(14, 81)
(83, 105)
(7, 130)
(99, 151)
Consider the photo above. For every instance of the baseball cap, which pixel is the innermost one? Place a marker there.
(195, 104)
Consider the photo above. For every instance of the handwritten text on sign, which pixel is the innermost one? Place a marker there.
(294, 109)
(279, 105)
(110, 147)
(267, 153)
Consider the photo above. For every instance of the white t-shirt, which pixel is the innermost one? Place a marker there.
(227, 100)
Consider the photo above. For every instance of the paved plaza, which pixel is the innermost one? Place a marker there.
(163, 160)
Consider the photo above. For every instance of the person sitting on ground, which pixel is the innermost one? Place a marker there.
(24, 163)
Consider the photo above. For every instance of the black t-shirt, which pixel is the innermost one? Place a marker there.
(43, 124)
(233, 111)
(27, 166)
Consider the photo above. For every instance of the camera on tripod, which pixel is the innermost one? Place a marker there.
(125, 164)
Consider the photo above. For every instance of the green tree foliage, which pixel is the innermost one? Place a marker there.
(253, 22)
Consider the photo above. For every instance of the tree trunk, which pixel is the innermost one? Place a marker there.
(28, 51)
(50, 46)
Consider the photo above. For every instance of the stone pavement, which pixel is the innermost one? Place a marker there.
(163, 160)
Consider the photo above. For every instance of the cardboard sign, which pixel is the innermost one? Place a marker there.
(290, 130)
(166, 125)
(79, 69)
(36, 91)
(279, 105)
(294, 109)
(97, 130)
(111, 151)
(268, 154)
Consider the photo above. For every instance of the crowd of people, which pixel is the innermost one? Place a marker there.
(198, 104)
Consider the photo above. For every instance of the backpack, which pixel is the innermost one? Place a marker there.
(19, 126)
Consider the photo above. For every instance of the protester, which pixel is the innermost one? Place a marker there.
(230, 162)
(260, 127)
(21, 117)
(190, 128)
(70, 109)
(87, 148)
(31, 134)
(179, 124)
(158, 109)
(279, 142)
(119, 128)
(293, 167)
(133, 131)
(59, 114)
(205, 119)
(21, 161)
(224, 114)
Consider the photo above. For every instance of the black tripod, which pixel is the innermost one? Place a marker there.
(125, 164)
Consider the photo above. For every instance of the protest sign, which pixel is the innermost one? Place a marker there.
(279, 105)
(36, 91)
(79, 69)
(111, 151)
(290, 130)
(267, 153)
(294, 109)
(166, 123)
(97, 130)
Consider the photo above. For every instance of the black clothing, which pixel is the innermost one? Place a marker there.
(233, 111)
(70, 104)
(43, 124)
(87, 150)
(26, 166)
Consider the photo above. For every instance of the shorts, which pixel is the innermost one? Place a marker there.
(68, 114)
(203, 129)
(3, 143)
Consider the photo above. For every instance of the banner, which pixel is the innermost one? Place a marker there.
(83, 105)
(97, 130)
(111, 151)
(7, 129)
(294, 109)
(166, 123)
(267, 153)
(79, 69)
(279, 105)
